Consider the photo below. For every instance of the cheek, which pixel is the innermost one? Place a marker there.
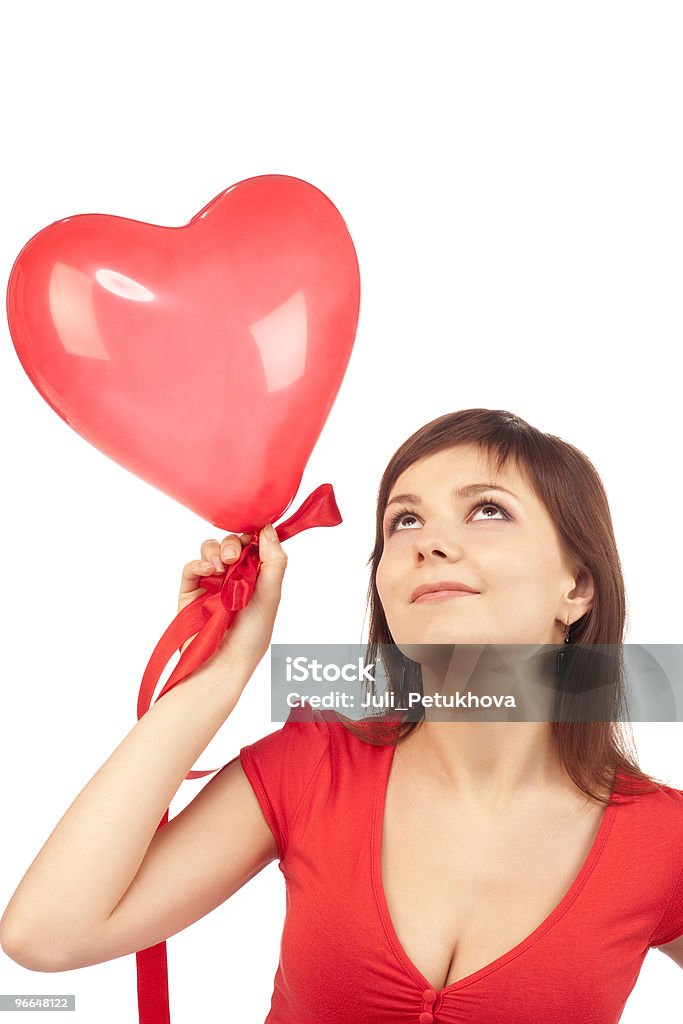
(509, 571)
(531, 573)
(388, 582)
(385, 578)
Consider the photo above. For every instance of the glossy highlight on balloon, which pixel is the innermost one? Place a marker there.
(203, 358)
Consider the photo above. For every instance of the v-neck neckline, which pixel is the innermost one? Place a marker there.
(521, 947)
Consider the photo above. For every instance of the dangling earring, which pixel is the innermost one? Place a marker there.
(559, 660)
(403, 677)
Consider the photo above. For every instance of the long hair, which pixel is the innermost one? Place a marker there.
(593, 753)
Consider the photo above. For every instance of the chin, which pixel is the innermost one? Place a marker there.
(443, 632)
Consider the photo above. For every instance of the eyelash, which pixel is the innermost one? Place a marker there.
(484, 503)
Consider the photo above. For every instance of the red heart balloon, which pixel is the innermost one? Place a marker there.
(203, 358)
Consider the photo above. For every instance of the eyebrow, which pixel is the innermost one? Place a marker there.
(458, 492)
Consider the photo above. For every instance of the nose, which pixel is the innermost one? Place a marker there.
(434, 542)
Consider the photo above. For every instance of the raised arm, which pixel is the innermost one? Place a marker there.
(107, 882)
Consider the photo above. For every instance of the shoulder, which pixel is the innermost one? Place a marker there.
(666, 811)
(304, 764)
(295, 747)
(671, 802)
(650, 829)
(655, 816)
(281, 766)
(311, 744)
(664, 804)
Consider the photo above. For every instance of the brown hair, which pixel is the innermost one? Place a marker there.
(569, 486)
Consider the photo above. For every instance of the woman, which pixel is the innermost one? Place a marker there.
(462, 871)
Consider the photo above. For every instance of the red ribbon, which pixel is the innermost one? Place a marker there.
(209, 616)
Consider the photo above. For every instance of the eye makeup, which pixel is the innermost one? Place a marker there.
(484, 502)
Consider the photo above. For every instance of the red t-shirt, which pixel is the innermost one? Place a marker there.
(322, 790)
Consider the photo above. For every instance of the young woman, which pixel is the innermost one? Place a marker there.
(491, 872)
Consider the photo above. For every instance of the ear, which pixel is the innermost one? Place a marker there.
(579, 598)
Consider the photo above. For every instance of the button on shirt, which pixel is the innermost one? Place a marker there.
(322, 791)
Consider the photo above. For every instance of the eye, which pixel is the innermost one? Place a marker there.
(402, 513)
(486, 503)
(494, 505)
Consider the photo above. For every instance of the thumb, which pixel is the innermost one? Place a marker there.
(273, 559)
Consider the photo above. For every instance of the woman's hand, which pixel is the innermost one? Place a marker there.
(248, 638)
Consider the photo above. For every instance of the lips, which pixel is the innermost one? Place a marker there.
(434, 588)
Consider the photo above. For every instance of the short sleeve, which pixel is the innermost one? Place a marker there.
(670, 926)
(282, 765)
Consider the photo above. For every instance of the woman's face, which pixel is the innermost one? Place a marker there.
(503, 545)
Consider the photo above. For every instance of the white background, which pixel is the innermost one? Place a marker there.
(511, 176)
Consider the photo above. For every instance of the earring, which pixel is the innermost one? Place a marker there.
(559, 659)
(403, 677)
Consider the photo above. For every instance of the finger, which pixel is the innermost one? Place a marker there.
(273, 564)
(231, 546)
(210, 549)
(194, 572)
(211, 552)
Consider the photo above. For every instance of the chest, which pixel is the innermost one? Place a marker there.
(462, 887)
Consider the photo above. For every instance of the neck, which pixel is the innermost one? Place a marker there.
(510, 754)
